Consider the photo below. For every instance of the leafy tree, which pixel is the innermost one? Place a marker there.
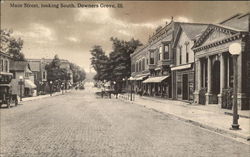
(120, 57)
(12, 45)
(117, 65)
(55, 72)
(100, 63)
(78, 73)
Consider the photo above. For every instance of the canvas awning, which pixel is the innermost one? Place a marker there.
(181, 67)
(6, 73)
(131, 78)
(155, 79)
(29, 84)
(140, 78)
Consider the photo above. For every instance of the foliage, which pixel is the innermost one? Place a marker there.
(11, 45)
(55, 72)
(117, 65)
(120, 57)
(78, 73)
(100, 63)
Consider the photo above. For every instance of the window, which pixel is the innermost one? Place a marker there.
(44, 75)
(166, 52)
(180, 55)
(133, 68)
(1, 65)
(160, 53)
(143, 64)
(152, 59)
(187, 53)
(6, 66)
(139, 65)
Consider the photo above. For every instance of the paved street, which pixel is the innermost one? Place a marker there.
(81, 124)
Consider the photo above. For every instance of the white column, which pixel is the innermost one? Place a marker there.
(222, 73)
(199, 76)
(209, 75)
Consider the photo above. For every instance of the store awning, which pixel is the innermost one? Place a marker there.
(155, 79)
(181, 67)
(131, 78)
(6, 73)
(29, 84)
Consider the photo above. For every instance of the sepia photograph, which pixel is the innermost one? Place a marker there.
(128, 78)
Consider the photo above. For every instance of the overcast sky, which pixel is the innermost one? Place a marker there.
(72, 32)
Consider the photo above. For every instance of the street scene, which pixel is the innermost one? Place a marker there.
(130, 78)
(81, 124)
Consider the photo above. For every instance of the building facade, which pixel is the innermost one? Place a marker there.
(214, 63)
(4, 62)
(151, 63)
(182, 71)
(21, 70)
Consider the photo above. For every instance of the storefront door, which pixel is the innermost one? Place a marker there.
(185, 86)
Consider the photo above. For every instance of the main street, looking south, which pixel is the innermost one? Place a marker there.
(80, 123)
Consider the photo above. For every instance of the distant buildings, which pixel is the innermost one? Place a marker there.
(190, 61)
(21, 69)
(37, 67)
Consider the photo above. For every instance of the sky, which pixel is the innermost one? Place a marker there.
(72, 32)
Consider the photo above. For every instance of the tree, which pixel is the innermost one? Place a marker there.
(78, 73)
(120, 57)
(55, 72)
(11, 45)
(100, 63)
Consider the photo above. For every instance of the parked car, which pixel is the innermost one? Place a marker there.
(6, 96)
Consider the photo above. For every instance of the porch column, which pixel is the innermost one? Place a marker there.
(209, 95)
(198, 76)
(222, 78)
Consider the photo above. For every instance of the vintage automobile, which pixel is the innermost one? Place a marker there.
(6, 95)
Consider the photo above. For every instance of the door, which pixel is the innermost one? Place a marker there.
(185, 87)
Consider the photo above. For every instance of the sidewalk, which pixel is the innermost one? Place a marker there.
(210, 117)
(41, 96)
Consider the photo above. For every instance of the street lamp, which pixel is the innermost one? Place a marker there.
(21, 82)
(235, 50)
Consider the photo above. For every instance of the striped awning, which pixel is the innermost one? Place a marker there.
(155, 79)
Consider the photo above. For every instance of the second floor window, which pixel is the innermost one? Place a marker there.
(166, 52)
(143, 64)
(152, 59)
(187, 54)
(6, 66)
(1, 65)
(160, 53)
(180, 52)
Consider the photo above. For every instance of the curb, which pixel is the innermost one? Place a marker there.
(195, 123)
(41, 97)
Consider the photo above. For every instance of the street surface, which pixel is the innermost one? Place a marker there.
(80, 123)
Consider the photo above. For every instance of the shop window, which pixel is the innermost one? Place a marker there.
(179, 88)
(44, 75)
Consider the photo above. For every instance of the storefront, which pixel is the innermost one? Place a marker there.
(157, 86)
(184, 82)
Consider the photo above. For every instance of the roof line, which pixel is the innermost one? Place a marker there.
(234, 16)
